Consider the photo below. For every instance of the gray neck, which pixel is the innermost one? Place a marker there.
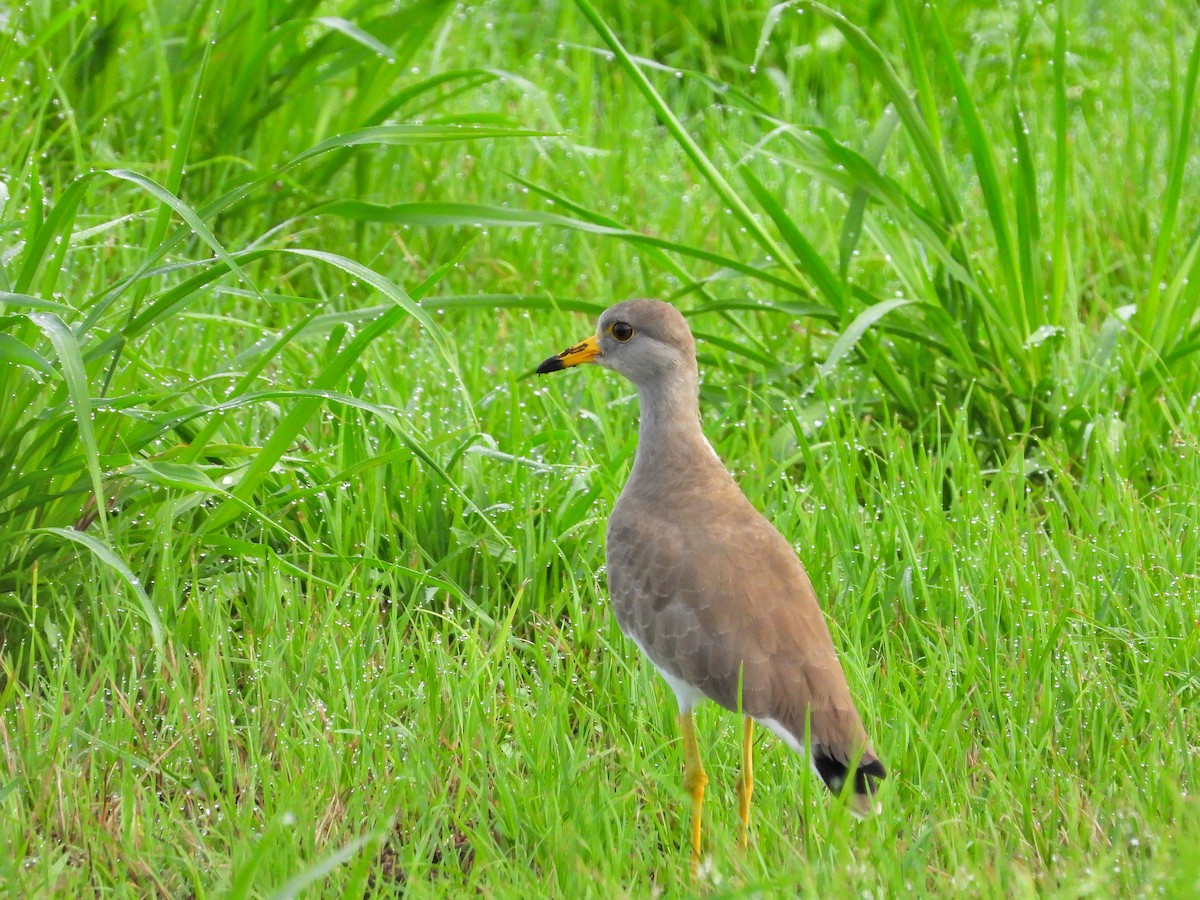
(669, 433)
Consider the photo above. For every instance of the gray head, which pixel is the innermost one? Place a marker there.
(647, 341)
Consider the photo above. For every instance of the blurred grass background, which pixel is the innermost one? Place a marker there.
(301, 574)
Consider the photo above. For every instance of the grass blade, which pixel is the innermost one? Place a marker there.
(1158, 323)
(106, 555)
(24, 301)
(1059, 254)
(849, 338)
(1027, 222)
(356, 34)
(319, 870)
(188, 215)
(414, 135)
(474, 215)
(898, 94)
(306, 402)
(824, 278)
(873, 154)
(699, 158)
(75, 376)
(398, 296)
(985, 166)
(17, 352)
(56, 227)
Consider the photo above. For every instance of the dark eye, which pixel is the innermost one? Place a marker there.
(622, 331)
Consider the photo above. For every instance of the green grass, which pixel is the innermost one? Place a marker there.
(272, 285)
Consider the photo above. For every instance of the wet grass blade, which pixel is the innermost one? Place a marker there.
(828, 284)
(189, 216)
(914, 122)
(1156, 322)
(699, 158)
(1060, 253)
(472, 215)
(106, 555)
(305, 403)
(849, 338)
(318, 871)
(332, 375)
(1027, 222)
(985, 169)
(16, 352)
(856, 209)
(56, 228)
(414, 135)
(75, 376)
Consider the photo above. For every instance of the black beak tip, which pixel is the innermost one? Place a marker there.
(553, 364)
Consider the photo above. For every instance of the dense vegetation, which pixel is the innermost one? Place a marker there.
(301, 574)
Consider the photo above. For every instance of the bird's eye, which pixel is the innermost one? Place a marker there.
(622, 331)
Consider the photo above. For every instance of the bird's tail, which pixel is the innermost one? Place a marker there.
(869, 772)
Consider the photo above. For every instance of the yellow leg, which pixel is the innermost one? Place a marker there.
(746, 782)
(694, 778)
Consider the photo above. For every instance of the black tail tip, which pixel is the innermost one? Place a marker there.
(833, 773)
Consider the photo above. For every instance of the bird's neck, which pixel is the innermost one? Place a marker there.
(670, 438)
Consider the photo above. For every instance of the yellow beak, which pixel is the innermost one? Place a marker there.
(585, 351)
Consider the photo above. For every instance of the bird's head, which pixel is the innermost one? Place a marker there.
(647, 341)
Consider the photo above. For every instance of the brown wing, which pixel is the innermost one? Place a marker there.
(717, 598)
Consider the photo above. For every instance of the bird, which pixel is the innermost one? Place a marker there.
(706, 587)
